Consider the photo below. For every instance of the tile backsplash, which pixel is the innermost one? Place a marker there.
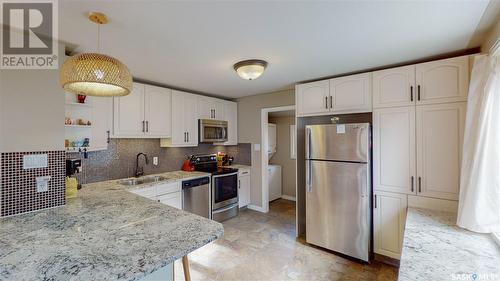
(18, 192)
(119, 160)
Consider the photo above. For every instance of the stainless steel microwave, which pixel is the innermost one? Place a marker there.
(212, 130)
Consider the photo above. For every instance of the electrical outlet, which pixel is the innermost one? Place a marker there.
(42, 183)
(155, 161)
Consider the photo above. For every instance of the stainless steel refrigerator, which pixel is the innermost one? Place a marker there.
(338, 188)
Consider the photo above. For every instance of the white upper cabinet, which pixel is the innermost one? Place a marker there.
(145, 112)
(158, 111)
(351, 94)
(102, 115)
(440, 130)
(394, 167)
(210, 108)
(312, 98)
(128, 118)
(231, 116)
(443, 80)
(394, 87)
(389, 217)
(184, 121)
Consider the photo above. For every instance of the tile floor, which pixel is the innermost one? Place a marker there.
(259, 246)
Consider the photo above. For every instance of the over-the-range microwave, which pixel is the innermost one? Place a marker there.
(212, 130)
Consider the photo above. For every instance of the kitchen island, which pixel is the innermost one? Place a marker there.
(106, 233)
(435, 248)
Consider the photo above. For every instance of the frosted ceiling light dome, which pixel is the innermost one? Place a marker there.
(250, 69)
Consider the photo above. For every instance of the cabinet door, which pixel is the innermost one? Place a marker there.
(394, 149)
(128, 118)
(389, 217)
(210, 108)
(171, 199)
(443, 81)
(394, 87)
(231, 116)
(178, 134)
(158, 111)
(351, 94)
(102, 119)
(312, 98)
(274, 174)
(243, 191)
(190, 119)
(439, 148)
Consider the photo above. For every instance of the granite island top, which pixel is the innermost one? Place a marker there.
(106, 233)
(434, 248)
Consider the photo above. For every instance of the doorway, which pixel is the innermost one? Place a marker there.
(281, 157)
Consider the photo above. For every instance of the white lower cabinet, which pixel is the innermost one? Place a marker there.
(243, 188)
(166, 193)
(389, 217)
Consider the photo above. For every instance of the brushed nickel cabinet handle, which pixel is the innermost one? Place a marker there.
(418, 92)
(331, 102)
(326, 102)
(143, 126)
(147, 126)
(419, 185)
(411, 93)
(375, 202)
(412, 184)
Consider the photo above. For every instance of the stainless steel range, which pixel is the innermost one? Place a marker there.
(224, 195)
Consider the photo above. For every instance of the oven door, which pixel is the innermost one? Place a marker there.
(224, 190)
(212, 130)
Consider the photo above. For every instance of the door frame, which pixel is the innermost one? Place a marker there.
(263, 150)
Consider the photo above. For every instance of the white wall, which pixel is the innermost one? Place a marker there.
(249, 131)
(31, 110)
(282, 155)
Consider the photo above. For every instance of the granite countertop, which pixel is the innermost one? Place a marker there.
(106, 233)
(435, 248)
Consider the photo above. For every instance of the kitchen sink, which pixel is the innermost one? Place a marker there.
(142, 180)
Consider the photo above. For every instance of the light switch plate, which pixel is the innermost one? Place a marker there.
(31, 161)
(155, 161)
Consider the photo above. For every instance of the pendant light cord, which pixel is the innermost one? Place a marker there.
(98, 38)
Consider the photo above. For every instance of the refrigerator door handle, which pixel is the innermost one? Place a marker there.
(308, 143)
(309, 175)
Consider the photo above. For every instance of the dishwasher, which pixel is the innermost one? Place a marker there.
(196, 196)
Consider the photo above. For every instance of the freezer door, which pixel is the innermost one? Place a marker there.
(337, 207)
(342, 142)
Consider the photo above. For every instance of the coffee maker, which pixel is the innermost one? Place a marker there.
(73, 167)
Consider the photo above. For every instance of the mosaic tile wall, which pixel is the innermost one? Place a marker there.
(118, 161)
(18, 193)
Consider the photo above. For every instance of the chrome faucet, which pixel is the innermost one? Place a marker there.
(139, 170)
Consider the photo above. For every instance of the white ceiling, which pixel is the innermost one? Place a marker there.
(193, 44)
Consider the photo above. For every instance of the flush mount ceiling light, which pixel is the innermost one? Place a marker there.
(250, 69)
(95, 74)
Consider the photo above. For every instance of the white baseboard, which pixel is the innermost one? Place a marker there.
(255, 208)
(288, 197)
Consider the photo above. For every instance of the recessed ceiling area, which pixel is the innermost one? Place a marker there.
(194, 45)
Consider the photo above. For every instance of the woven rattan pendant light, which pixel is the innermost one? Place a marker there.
(95, 74)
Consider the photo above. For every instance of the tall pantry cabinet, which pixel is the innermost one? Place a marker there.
(418, 124)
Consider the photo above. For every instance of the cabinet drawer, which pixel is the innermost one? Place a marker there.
(244, 172)
(168, 188)
(148, 191)
(171, 199)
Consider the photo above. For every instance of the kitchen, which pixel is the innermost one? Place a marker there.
(161, 169)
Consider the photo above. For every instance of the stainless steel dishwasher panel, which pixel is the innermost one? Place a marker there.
(196, 196)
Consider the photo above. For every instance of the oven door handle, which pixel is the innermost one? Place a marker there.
(224, 209)
(225, 175)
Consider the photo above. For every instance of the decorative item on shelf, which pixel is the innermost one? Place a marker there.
(82, 122)
(86, 142)
(81, 98)
(89, 123)
(67, 143)
(95, 74)
(68, 121)
(250, 69)
(77, 143)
